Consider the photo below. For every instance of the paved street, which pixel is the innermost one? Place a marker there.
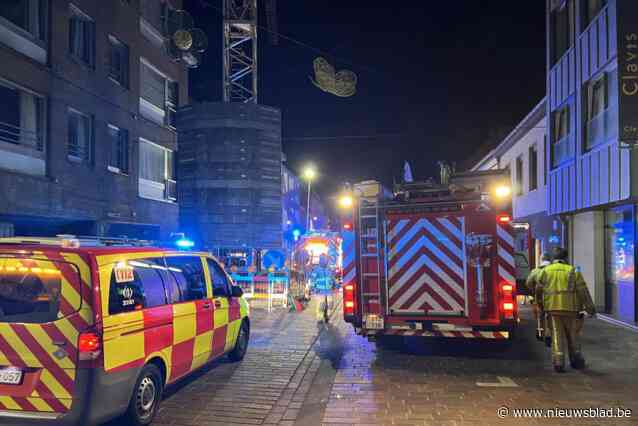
(299, 373)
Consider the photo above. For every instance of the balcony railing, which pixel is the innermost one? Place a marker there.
(19, 136)
(602, 128)
(562, 151)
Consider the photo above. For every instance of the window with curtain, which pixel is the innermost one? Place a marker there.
(80, 142)
(159, 91)
(82, 37)
(152, 86)
(157, 172)
(601, 105)
(519, 176)
(30, 15)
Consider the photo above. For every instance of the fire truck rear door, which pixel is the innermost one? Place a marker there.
(426, 265)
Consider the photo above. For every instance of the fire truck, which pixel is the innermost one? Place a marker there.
(433, 260)
(318, 256)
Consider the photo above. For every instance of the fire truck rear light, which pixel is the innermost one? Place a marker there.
(347, 226)
(507, 288)
(508, 307)
(89, 346)
(504, 218)
(349, 304)
(349, 287)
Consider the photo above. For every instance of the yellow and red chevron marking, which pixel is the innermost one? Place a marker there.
(451, 334)
(49, 381)
(426, 264)
(505, 252)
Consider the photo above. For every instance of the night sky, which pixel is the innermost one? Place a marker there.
(437, 80)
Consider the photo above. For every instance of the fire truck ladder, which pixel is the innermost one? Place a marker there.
(370, 249)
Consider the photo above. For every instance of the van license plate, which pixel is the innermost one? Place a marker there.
(10, 376)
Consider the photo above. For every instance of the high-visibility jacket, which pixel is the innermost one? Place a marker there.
(532, 279)
(560, 288)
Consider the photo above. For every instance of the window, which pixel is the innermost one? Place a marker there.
(118, 61)
(159, 96)
(80, 143)
(189, 275)
(21, 117)
(533, 168)
(31, 290)
(562, 29)
(601, 110)
(155, 12)
(157, 172)
(561, 141)
(82, 37)
(118, 140)
(545, 151)
(28, 15)
(220, 282)
(591, 8)
(518, 182)
(137, 284)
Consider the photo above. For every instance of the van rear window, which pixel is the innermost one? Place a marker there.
(36, 291)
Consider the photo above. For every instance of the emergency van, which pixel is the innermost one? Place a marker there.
(431, 260)
(91, 330)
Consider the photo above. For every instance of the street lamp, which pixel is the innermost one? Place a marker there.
(309, 174)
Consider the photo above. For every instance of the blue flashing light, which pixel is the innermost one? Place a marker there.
(185, 243)
(296, 233)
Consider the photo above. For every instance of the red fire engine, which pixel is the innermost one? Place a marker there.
(431, 260)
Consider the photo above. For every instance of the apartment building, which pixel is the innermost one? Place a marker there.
(592, 103)
(87, 109)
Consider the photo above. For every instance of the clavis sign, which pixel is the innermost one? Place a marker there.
(626, 12)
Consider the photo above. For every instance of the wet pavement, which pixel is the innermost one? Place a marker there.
(299, 373)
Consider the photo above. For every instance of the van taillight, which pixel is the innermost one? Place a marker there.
(89, 346)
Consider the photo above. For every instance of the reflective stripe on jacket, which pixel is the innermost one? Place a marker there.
(561, 288)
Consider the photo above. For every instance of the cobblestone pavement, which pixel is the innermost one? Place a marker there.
(434, 382)
(299, 373)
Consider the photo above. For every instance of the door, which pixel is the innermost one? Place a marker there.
(44, 305)
(426, 265)
(225, 322)
(192, 316)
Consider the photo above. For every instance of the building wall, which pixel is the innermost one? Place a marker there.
(528, 201)
(68, 191)
(600, 175)
(588, 252)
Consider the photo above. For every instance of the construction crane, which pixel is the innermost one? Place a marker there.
(240, 47)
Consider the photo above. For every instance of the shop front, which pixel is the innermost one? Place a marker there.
(620, 283)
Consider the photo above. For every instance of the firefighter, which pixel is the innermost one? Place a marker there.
(323, 286)
(561, 291)
(543, 329)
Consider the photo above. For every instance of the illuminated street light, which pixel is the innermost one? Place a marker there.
(309, 174)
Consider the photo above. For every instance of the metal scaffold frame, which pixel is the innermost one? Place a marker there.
(240, 51)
